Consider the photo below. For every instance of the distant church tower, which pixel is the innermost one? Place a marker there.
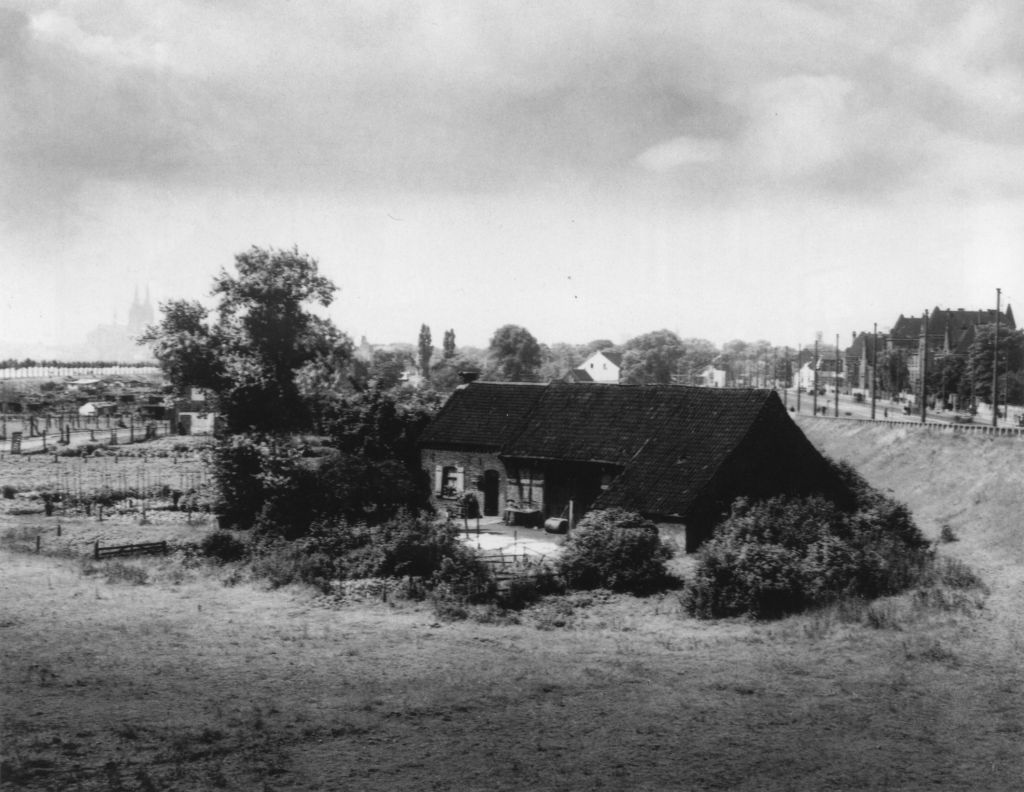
(140, 315)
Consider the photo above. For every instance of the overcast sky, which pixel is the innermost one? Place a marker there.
(587, 169)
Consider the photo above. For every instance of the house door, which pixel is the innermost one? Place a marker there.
(491, 482)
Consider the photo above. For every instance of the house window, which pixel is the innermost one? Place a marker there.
(449, 480)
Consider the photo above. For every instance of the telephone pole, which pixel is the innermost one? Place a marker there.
(995, 365)
(874, 367)
(924, 367)
(837, 377)
(815, 364)
(799, 354)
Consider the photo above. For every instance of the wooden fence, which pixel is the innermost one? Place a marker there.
(141, 548)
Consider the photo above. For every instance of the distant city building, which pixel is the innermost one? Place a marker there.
(948, 332)
(119, 342)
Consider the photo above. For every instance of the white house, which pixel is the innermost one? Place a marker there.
(602, 366)
(827, 375)
(711, 377)
(90, 409)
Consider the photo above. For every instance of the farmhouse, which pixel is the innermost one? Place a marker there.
(679, 455)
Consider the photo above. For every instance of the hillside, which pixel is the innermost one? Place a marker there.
(973, 483)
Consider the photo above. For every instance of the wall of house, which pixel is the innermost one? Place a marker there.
(467, 476)
(600, 368)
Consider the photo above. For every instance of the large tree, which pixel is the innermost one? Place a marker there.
(262, 336)
(514, 355)
(893, 372)
(448, 350)
(559, 360)
(947, 378)
(982, 354)
(651, 358)
(426, 350)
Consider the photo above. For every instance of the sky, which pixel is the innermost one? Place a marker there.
(765, 169)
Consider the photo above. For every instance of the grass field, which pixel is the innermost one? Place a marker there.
(167, 678)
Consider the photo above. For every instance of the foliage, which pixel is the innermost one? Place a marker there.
(784, 555)
(406, 545)
(651, 358)
(249, 358)
(947, 376)
(558, 360)
(448, 349)
(384, 370)
(223, 546)
(983, 350)
(368, 471)
(893, 372)
(514, 355)
(615, 549)
(185, 345)
(446, 375)
(262, 479)
(426, 350)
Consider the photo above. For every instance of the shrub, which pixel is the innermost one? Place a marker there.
(947, 534)
(222, 546)
(614, 549)
(784, 555)
(407, 546)
(9, 492)
(120, 572)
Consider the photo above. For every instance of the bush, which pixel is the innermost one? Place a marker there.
(223, 547)
(615, 549)
(408, 546)
(784, 555)
(8, 492)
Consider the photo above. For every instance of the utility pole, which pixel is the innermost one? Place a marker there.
(815, 363)
(874, 367)
(837, 377)
(995, 365)
(924, 367)
(785, 377)
(799, 354)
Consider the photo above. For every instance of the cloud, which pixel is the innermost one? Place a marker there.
(491, 96)
(679, 152)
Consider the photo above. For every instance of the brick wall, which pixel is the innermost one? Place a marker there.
(456, 472)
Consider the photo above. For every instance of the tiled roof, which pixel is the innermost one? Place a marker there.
(864, 345)
(613, 357)
(579, 375)
(957, 321)
(906, 327)
(482, 415)
(669, 441)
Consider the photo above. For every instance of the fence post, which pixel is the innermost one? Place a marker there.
(96, 546)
